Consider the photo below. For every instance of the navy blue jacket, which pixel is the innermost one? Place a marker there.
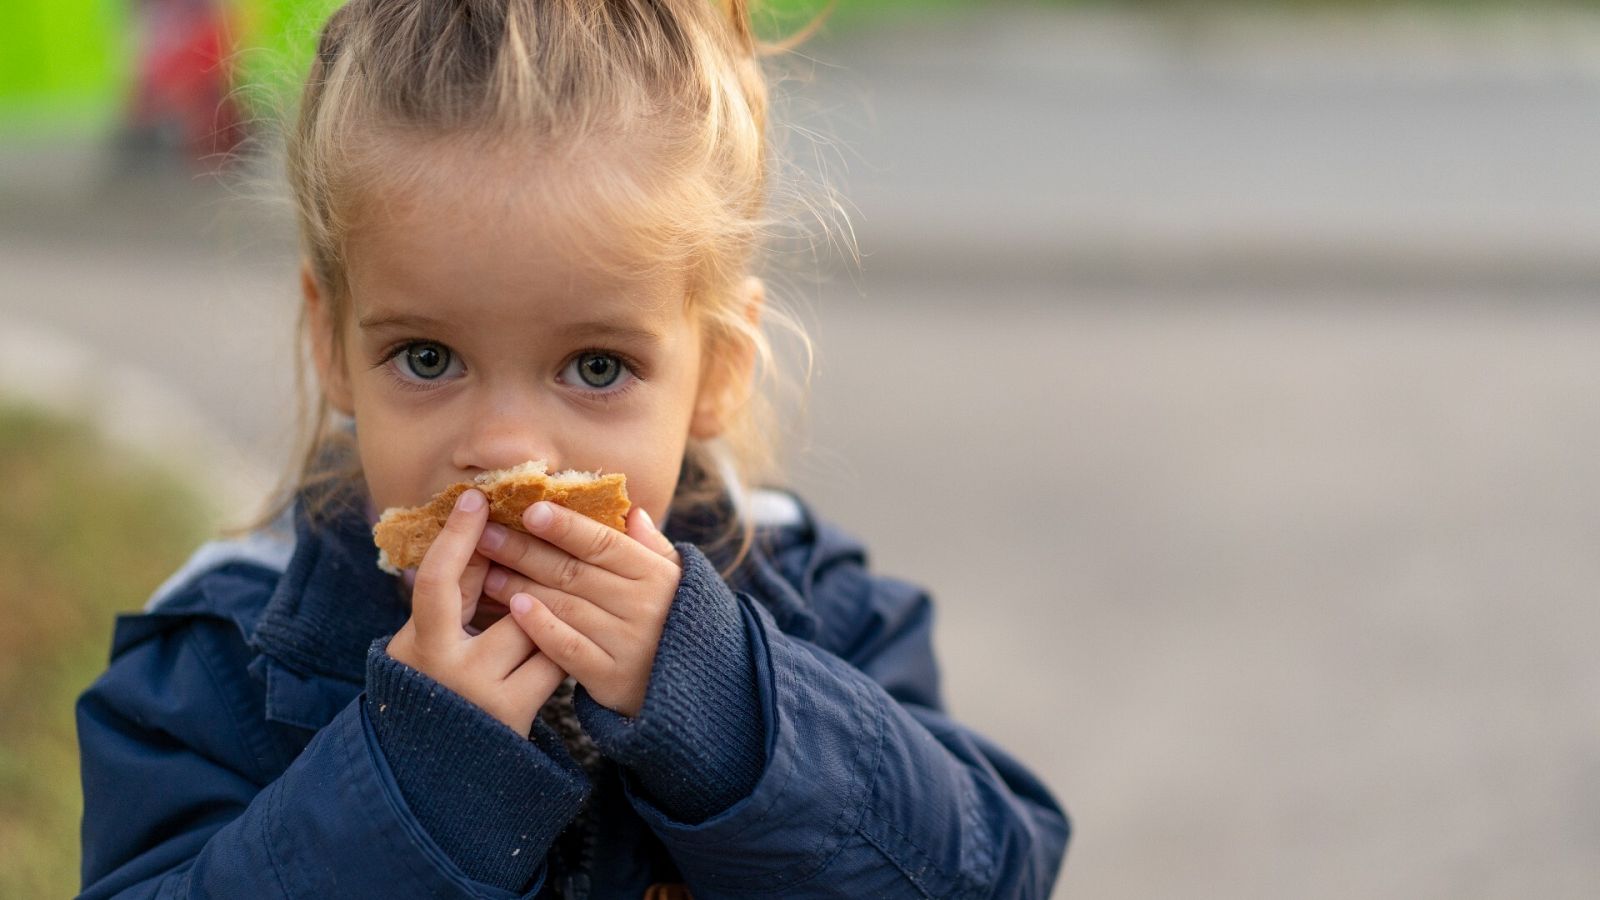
(251, 738)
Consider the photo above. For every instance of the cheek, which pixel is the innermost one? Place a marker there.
(658, 499)
(384, 470)
(657, 496)
(396, 456)
(652, 469)
(649, 451)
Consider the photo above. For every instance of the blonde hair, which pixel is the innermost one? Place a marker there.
(681, 78)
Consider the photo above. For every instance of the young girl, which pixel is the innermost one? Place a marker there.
(527, 230)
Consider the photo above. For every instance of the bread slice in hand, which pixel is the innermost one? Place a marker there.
(403, 534)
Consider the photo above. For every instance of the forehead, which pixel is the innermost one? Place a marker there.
(510, 239)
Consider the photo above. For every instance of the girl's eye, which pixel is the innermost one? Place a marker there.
(426, 360)
(422, 365)
(598, 370)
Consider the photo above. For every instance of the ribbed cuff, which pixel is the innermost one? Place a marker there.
(492, 799)
(698, 744)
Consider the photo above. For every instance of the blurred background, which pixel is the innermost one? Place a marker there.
(1228, 372)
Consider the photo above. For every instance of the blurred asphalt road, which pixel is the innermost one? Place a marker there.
(1234, 384)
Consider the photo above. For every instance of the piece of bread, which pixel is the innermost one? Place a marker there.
(403, 534)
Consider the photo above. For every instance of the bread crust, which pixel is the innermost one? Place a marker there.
(403, 534)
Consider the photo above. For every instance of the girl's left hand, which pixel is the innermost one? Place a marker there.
(593, 599)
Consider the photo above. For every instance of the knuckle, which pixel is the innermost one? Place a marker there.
(526, 559)
(602, 543)
(663, 588)
(567, 572)
(560, 605)
(659, 613)
(570, 645)
(666, 575)
(430, 581)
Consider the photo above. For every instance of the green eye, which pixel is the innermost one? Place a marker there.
(599, 370)
(427, 360)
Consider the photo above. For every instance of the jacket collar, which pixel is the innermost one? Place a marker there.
(761, 572)
(332, 600)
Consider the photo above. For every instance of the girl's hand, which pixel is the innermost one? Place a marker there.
(592, 598)
(499, 670)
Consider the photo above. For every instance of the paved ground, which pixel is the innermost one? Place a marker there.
(1233, 385)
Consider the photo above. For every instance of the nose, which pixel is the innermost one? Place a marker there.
(506, 428)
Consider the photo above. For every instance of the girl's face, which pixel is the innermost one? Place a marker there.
(470, 344)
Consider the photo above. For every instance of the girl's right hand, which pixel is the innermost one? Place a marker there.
(500, 670)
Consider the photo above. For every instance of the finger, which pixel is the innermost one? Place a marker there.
(436, 599)
(538, 676)
(472, 585)
(586, 540)
(505, 645)
(546, 563)
(568, 647)
(643, 529)
(502, 584)
(592, 619)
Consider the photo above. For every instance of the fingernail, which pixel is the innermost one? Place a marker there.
(494, 535)
(470, 501)
(645, 514)
(521, 603)
(539, 515)
(494, 581)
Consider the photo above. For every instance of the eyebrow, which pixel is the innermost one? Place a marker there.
(612, 330)
(618, 331)
(376, 321)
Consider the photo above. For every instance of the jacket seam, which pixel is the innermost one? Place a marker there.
(777, 707)
(201, 653)
(984, 862)
(268, 812)
(839, 829)
(894, 860)
(267, 816)
(961, 885)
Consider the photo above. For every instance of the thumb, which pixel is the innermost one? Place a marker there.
(643, 529)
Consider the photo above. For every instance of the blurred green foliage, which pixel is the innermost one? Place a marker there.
(63, 63)
(88, 532)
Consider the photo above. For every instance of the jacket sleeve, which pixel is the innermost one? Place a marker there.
(182, 798)
(865, 788)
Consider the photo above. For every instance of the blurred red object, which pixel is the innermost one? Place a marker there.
(182, 103)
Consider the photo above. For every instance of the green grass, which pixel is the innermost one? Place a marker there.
(85, 532)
